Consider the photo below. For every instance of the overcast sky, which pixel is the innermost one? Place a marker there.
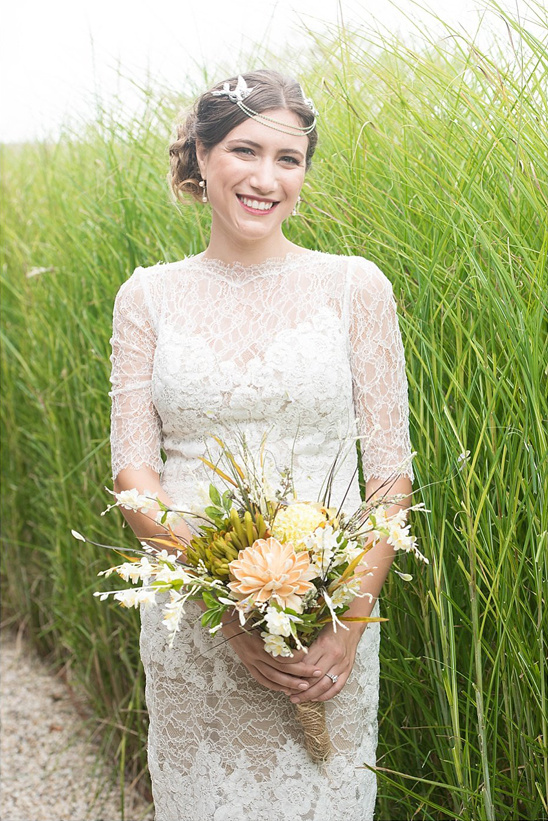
(55, 55)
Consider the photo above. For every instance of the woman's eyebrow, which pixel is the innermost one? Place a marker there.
(258, 145)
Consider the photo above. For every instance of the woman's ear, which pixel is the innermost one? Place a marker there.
(201, 155)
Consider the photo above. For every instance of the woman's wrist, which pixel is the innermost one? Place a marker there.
(356, 629)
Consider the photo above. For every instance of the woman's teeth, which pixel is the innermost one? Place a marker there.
(259, 206)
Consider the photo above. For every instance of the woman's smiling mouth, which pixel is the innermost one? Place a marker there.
(254, 206)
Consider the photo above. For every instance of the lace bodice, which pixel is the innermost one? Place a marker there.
(308, 349)
(310, 341)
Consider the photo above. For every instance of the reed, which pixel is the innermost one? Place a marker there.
(433, 163)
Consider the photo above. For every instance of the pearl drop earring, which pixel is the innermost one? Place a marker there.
(202, 184)
(295, 211)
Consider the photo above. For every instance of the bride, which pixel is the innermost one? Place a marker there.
(257, 333)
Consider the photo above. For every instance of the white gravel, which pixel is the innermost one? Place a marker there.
(50, 769)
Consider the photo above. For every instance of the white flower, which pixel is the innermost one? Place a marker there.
(108, 572)
(335, 621)
(133, 500)
(275, 645)
(379, 517)
(173, 611)
(149, 501)
(400, 538)
(345, 593)
(399, 518)
(323, 546)
(77, 535)
(243, 607)
(172, 518)
(163, 556)
(133, 597)
(167, 575)
(378, 523)
(135, 571)
(278, 623)
(420, 506)
(130, 499)
(147, 597)
(351, 552)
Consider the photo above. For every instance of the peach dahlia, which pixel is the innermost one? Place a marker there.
(271, 570)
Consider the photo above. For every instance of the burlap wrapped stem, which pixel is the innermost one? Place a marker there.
(311, 715)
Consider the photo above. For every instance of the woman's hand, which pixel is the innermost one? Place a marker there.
(288, 675)
(332, 653)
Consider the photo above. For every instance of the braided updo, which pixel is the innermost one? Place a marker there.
(212, 118)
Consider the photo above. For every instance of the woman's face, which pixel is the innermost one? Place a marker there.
(254, 176)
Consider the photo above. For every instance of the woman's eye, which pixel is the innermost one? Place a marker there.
(294, 160)
(244, 149)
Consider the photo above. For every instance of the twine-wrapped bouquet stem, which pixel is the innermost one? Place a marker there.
(311, 716)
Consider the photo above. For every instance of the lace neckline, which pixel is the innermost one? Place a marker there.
(267, 267)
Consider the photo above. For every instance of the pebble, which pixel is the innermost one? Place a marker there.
(51, 769)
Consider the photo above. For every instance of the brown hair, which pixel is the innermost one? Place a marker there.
(211, 118)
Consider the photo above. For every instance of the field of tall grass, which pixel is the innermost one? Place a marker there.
(433, 162)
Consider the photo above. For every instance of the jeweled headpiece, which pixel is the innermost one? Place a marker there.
(241, 91)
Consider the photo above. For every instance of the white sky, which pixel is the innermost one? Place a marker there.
(56, 54)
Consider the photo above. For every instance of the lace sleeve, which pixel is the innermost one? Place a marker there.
(379, 381)
(135, 435)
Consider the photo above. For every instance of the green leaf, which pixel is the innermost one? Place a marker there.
(215, 496)
(214, 513)
(210, 599)
(207, 618)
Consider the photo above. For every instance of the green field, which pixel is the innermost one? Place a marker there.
(433, 162)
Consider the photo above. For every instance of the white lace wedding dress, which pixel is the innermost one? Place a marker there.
(308, 348)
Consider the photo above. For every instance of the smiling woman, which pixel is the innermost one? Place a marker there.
(290, 156)
(253, 182)
(224, 154)
(257, 334)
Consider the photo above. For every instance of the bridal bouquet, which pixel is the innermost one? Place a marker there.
(281, 565)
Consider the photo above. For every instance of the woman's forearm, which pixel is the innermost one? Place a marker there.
(147, 482)
(379, 559)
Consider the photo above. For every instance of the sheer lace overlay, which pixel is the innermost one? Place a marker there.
(308, 348)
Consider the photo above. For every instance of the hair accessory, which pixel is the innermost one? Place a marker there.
(242, 90)
(287, 128)
(202, 184)
(311, 105)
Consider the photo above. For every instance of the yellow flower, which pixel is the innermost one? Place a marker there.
(296, 522)
(270, 570)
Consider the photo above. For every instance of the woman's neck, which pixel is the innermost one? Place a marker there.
(249, 252)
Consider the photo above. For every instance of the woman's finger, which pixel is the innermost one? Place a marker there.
(301, 669)
(292, 683)
(322, 691)
(296, 658)
(259, 676)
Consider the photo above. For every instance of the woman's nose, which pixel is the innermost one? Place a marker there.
(263, 178)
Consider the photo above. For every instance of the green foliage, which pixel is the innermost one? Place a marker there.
(432, 162)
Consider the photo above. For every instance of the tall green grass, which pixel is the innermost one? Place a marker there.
(433, 162)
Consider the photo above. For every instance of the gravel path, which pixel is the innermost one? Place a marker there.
(51, 771)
